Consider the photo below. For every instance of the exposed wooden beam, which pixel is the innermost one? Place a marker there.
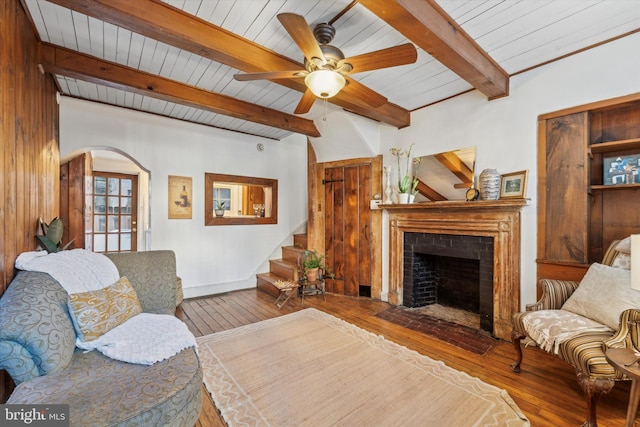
(162, 22)
(57, 60)
(428, 26)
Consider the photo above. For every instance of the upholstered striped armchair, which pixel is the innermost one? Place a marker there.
(578, 339)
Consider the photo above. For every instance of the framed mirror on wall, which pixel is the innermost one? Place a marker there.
(446, 176)
(240, 200)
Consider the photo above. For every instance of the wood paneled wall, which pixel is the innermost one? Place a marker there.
(29, 150)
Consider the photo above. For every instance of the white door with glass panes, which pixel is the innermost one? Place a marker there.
(114, 212)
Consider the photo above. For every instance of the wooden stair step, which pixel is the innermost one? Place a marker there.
(291, 253)
(282, 268)
(300, 240)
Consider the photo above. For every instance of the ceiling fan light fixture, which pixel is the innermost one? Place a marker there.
(325, 83)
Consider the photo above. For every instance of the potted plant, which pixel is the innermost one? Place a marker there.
(51, 238)
(312, 262)
(219, 210)
(407, 182)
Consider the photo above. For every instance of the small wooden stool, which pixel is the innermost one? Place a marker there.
(287, 290)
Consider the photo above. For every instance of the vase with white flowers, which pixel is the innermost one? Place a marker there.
(407, 182)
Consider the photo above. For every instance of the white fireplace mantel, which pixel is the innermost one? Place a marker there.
(499, 219)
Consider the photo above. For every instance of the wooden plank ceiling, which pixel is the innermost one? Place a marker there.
(177, 58)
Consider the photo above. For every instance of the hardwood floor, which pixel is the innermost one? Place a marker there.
(546, 389)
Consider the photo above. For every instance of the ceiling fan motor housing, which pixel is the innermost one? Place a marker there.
(324, 33)
(331, 54)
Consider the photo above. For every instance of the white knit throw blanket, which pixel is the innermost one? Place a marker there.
(77, 270)
(144, 339)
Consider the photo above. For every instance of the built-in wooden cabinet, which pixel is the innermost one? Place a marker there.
(579, 211)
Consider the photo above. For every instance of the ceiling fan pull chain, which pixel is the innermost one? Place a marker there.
(324, 117)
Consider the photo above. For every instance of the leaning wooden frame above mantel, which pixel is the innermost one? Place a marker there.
(498, 219)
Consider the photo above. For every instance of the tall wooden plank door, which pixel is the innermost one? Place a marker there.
(334, 227)
(365, 242)
(348, 228)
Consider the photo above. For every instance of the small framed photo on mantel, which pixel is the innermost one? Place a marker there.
(513, 185)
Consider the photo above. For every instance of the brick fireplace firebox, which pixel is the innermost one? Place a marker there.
(451, 270)
(499, 220)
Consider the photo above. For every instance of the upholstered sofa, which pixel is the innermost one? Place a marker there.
(579, 321)
(38, 350)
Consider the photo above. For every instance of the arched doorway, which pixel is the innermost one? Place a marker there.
(102, 215)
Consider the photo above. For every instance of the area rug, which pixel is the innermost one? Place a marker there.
(473, 340)
(309, 368)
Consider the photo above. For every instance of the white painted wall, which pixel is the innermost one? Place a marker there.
(344, 136)
(505, 130)
(209, 259)
(216, 259)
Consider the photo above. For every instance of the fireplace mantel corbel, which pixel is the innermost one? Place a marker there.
(499, 219)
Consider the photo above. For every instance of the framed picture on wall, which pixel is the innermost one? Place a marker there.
(180, 197)
(513, 185)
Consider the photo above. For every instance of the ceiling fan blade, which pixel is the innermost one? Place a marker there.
(358, 90)
(384, 58)
(300, 32)
(308, 98)
(270, 75)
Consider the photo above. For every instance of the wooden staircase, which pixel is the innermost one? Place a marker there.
(285, 268)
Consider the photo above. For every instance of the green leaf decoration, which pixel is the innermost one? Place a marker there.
(47, 244)
(52, 237)
(55, 230)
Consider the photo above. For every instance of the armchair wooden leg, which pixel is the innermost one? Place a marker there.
(516, 337)
(593, 388)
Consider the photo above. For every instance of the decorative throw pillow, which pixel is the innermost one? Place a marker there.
(603, 294)
(96, 312)
(624, 245)
(622, 260)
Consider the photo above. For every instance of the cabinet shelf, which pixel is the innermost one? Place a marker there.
(608, 147)
(614, 187)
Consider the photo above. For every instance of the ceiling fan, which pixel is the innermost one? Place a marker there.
(326, 68)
